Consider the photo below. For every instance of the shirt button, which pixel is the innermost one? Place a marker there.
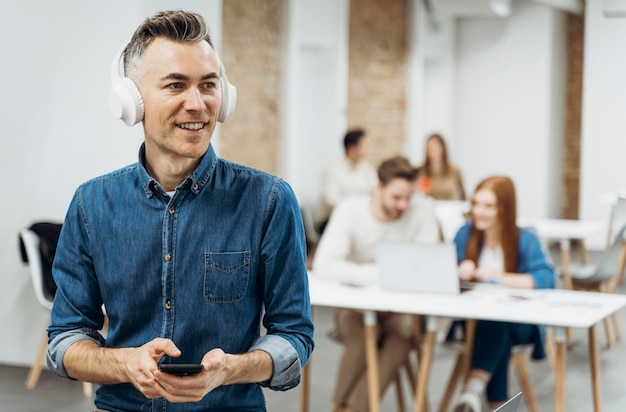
(168, 304)
(172, 211)
(168, 257)
(195, 186)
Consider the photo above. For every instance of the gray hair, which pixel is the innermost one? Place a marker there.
(176, 25)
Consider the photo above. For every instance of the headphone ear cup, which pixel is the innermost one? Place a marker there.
(228, 94)
(125, 101)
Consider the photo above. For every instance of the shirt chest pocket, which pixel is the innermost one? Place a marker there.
(226, 276)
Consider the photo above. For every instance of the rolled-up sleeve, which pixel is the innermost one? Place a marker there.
(286, 370)
(58, 346)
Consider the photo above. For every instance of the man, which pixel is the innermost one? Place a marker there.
(351, 176)
(187, 252)
(347, 253)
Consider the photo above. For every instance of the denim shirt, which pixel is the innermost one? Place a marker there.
(203, 268)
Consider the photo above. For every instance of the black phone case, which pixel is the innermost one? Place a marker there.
(181, 369)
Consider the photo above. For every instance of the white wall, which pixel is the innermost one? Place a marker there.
(431, 89)
(509, 102)
(315, 95)
(603, 148)
(56, 130)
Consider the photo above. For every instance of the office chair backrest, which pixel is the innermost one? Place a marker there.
(38, 245)
(30, 240)
(610, 263)
(618, 218)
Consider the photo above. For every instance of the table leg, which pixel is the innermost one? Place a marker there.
(594, 360)
(566, 263)
(304, 383)
(584, 256)
(371, 356)
(425, 364)
(560, 336)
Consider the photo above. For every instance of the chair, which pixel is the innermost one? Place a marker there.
(41, 274)
(604, 276)
(407, 369)
(518, 361)
(312, 236)
(617, 219)
(450, 216)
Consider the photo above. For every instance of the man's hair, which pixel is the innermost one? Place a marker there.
(353, 137)
(175, 25)
(397, 167)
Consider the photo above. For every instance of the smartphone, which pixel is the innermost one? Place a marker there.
(181, 369)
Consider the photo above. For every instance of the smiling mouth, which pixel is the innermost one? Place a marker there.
(191, 126)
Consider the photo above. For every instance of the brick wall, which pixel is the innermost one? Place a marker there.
(573, 103)
(252, 44)
(377, 85)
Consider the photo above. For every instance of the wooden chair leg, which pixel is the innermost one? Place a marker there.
(550, 348)
(35, 370)
(607, 332)
(616, 329)
(520, 363)
(410, 372)
(622, 266)
(400, 393)
(452, 382)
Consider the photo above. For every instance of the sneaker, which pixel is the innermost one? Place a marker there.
(470, 401)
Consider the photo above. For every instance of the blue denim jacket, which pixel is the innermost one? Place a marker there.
(203, 268)
(531, 260)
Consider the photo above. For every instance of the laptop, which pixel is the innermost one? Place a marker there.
(511, 405)
(422, 268)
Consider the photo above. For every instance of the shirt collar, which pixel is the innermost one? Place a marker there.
(195, 181)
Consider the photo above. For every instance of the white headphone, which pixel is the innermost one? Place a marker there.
(126, 102)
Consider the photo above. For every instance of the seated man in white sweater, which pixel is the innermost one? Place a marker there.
(347, 253)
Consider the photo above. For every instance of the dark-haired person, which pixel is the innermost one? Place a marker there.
(438, 177)
(493, 249)
(188, 253)
(353, 175)
(347, 253)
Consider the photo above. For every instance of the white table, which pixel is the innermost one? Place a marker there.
(564, 231)
(553, 307)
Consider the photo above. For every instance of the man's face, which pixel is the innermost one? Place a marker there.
(179, 85)
(395, 197)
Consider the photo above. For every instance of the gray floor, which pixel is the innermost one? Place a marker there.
(56, 394)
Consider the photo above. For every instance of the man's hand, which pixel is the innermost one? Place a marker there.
(192, 388)
(141, 365)
(87, 361)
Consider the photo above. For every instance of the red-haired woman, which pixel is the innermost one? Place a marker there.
(493, 249)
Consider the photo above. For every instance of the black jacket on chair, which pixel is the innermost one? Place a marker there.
(48, 234)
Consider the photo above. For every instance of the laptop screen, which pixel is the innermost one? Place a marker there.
(422, 268)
